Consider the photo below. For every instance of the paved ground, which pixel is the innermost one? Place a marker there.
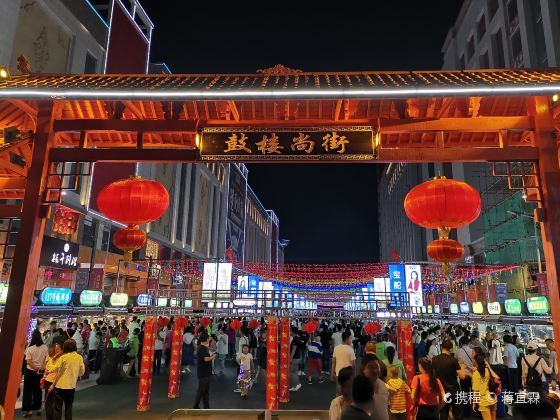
(119, 401)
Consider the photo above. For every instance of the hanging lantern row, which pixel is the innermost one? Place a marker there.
(133, 202)
(443, 204)
(65, 221)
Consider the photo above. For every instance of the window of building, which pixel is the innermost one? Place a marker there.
(493, 6)
(91, 64)
(539, 40)
(181, 206)
(498, 50)
(89, 233)
(105, 238)
(462, 62)
(190, 212)
(513, 16)
(215, 217)
(484, 61)
(517, 50)
(481, 27)
(470, 48)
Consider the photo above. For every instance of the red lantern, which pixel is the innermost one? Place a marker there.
(129, 240)
(235, 324)
(442, 203)
(445, 250)
(372, 328)
(205, 322)
(253, 324)
(163, 321)
(133, 201)
(310, 327)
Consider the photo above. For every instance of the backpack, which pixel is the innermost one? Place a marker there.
(494, 384)
(534, 378)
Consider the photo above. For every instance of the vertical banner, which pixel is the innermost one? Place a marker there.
(404, 331)
(406, 353)
(542, 285)
(284, 394)
(146, 365)
(175, 362)
(501, 292)
(272, 364)
(471, 296)
(397, 283)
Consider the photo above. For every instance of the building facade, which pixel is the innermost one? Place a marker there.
(93, 36)
(487, 34)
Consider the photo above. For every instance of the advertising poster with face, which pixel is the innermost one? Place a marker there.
(413, 275)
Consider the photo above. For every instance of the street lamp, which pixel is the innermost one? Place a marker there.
(528, 216)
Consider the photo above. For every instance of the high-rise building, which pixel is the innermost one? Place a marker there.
(487, 34)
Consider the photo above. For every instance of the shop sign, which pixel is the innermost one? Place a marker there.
(437, 309)
(162, 301)
(3, 293)
(118, 299)
(144, 300)
(453, 308)
(188, 303)
(513, 306)
(56, 296)
(91, 298)
(501, 292)
(464, 307)
(59, 254)
(538, 305)
(478, 308)
(423, 309)
(430, 309)
(494, 308)
(337, 143)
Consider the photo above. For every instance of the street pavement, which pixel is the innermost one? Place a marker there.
(119, 401)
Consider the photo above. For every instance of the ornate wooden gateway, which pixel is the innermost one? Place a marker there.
(273, 116)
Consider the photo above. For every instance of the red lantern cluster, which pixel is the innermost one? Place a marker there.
(235, 324)
(253, 324)
(65, 221)
(133, 202)
(372, 328)
(309, 327)
(443, 204)
(163, 321)
(205, 322)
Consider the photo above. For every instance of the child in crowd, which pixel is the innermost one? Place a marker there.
(246, 367)
(398, 390)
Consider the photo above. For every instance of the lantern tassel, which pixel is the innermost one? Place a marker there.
(128, 255)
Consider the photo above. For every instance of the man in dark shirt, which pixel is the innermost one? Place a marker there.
(326, 343)
(447, 370)
(362, 400)
(422, 347)
(203, 372)
(295, 356)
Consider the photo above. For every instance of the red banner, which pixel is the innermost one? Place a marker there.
(96, 279)
(471, 296)
(404, 332)
(284, 394)
(542, 285)
(272, 364)
(175, 362)
(146, 365)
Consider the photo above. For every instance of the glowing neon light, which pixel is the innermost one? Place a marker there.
(56, 296)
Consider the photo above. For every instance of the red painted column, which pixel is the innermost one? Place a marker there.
(176, 354)
(549, 172)
(23, 277)
(147, 365)
(284, 394)
(272, 364)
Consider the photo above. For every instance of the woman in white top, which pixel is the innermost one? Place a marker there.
(36, 357)
(158, 349)
(345, 398)
(188, 349)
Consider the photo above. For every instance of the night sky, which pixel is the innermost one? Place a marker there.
(329, 212)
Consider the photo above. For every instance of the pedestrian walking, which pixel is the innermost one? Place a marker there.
(222, 351)
(35, 357)
(343, 355)
(427, 391)
(134, 345)
(314, 361)
(51, 370)
(295, 355)
(204, 372)
(64, 385)
(246, 367)
(398, 391)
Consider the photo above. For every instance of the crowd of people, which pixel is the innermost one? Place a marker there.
(451, 362)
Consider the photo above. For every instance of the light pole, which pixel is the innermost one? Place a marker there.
(528, 216)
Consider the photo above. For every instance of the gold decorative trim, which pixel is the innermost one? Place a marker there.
(245, 158)
(248, 129)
